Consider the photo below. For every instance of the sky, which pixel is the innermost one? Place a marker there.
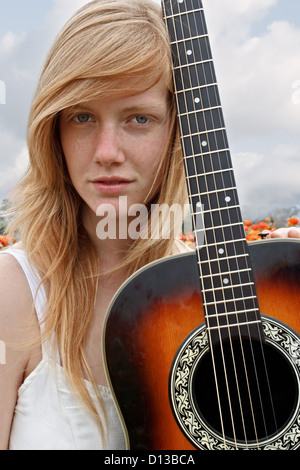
(256, 50)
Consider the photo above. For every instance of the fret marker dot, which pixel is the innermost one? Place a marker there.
(189, 52)
(198, 204)
(180, 1)
(227, 199)
(204, 143)
(221, 251)
(197, 100)
(225, 281)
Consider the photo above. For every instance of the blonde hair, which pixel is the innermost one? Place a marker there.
(103, 46)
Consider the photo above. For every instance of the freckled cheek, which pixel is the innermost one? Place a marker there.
(76, 153)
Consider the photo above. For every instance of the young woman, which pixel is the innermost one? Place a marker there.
(101, 130)
(102, 126)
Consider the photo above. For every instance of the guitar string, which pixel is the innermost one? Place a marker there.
(203, 30)
(194, 108)
(257, 315)
(197, 250)
(229, 215)
(235, 201)
(252, 289)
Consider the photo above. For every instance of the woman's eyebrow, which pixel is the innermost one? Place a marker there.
(147, 108)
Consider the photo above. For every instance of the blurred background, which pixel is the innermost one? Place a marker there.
(256, 49)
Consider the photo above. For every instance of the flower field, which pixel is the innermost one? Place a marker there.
(253, 230)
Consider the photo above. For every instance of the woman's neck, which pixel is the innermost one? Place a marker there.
(111, 250)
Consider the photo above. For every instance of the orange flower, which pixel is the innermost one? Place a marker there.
(252, 237)
(293, 221)
(4, 240)
(248, 222)
(263, 226)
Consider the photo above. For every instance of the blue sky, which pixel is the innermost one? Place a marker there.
(256, 48)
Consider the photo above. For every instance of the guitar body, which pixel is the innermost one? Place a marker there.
(147, 330)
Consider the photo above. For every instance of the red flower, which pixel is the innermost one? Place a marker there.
(293, 221)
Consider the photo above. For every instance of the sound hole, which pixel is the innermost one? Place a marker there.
(254, 405)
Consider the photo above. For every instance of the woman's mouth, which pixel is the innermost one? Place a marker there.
(112, 185)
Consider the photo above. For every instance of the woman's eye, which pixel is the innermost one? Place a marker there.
(141, 119)
(82, 117)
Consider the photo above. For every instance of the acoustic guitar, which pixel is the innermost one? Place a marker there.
(202, 349)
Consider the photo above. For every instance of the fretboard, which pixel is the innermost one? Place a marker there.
(225, 272)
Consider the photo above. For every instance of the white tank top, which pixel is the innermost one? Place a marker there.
(47, 415)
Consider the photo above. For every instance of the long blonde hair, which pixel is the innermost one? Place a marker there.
(106, 44)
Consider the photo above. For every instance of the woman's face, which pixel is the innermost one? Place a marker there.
(114, 146)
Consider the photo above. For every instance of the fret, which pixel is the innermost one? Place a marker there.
(205, 100)
(227, 243)
(214, 289)
(181, 13)
(217, 235)
(227, 249)
(209, 173)
(214, 192)
(214, 199)
(199, 62)
(218, 209)
(205, 154)
(225, 273)
(186, 24)
(217, 311)
(228, 218)
(212, 141)
(188, 52)
(198, 75)
(203, 132)
(211, 182)
(195, 111)
(199, 87)
(192, 38)
(234, 325)
(228, 258)
(173, 7)
(218, 315)
(242, 299)
(223, 265)
(200, 123)
(230, 296)
(226, 281)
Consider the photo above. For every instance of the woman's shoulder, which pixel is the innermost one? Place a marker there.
(15, 296)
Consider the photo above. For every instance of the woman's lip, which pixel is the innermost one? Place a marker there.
(111, 186)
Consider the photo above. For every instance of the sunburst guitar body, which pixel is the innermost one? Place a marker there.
(202, 350)
(158, 360)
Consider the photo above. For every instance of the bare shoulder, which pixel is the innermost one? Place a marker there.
(18, 325)
(16, 298)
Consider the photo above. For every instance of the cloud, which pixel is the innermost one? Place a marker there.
(259, 81)
(21, 59)
(258, 70)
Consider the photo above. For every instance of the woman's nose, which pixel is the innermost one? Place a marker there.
(108, 149)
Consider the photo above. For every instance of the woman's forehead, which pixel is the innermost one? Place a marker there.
(135, 93)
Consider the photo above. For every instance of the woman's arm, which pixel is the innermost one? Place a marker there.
(285, 232)
(16, 328)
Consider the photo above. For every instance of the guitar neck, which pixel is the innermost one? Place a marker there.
(225, 271)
